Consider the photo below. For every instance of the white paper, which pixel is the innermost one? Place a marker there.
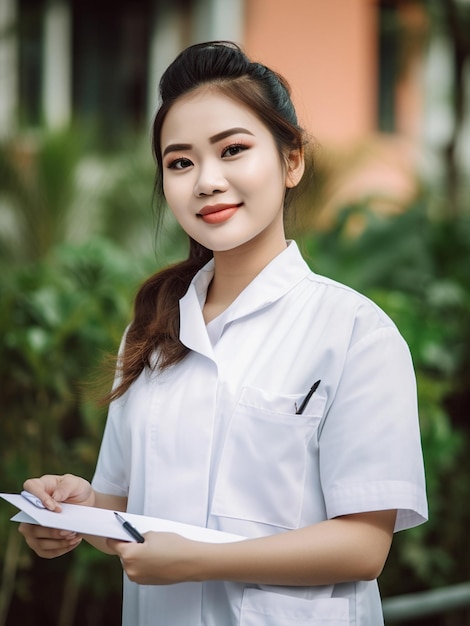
(103, 523)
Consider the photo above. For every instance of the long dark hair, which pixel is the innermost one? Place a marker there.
(154, 331)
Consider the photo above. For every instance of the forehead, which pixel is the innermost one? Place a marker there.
(206, 112)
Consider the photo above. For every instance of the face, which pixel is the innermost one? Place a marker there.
(223, 176)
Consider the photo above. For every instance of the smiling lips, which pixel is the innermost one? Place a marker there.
(218, 213)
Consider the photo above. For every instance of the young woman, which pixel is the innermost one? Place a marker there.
(212, 421)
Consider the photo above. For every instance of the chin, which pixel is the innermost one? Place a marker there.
(221, 247)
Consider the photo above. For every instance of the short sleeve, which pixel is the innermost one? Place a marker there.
(112, 470)
(111, 474)
(370, 448)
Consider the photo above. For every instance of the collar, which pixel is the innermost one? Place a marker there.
(282, 274)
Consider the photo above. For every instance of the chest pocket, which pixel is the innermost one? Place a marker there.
(261, 474)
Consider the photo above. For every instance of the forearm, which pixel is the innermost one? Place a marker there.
(344, 549)
(99, 543)
(104, 501)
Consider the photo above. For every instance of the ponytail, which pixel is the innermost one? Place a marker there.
(152, 339)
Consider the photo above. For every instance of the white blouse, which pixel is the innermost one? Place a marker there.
(215, 441)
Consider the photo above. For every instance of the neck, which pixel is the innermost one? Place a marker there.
(234, 271)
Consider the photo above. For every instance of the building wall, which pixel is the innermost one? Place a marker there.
(327, 50)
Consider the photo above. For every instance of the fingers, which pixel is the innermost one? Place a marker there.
(128, 553)
(52, 490)
(49, 543)
(118, 547)
(163, 559)
(71, 489)
(43, 488)
(113, 545)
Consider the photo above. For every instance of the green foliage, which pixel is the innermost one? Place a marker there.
(37, 188)
(58, 319)
(416, 266)
(54, 190)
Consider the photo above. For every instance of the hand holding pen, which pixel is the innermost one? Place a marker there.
(131, 530)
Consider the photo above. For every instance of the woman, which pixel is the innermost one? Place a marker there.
(212, 422)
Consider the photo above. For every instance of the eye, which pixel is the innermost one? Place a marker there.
(179, 164)
(233, 150)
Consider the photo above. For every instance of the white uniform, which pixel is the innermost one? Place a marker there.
(215, 440)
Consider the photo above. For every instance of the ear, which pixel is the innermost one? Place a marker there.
(295, 163)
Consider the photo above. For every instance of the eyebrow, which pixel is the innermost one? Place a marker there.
(177, 147)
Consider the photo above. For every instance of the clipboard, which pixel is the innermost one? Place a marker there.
(102, 522)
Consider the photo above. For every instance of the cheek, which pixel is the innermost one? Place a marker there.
(264, 174)
(266, 183)
(174, 194)
(167, 188)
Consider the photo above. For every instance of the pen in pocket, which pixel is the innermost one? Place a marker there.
(306, 400)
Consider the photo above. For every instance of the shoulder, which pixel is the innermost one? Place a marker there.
(340, 301)
(333, 297)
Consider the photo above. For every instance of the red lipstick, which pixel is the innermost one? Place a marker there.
(218, 213)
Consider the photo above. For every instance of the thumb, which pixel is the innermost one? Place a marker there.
(116, 546)
(72, 489)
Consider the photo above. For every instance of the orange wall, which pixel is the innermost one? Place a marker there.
(326, 49)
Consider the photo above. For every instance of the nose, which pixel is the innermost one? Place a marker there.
(210, 180)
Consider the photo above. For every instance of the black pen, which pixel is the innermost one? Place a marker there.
(313, 388)
(133, 532)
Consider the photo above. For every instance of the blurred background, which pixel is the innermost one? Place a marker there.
(383, 87)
